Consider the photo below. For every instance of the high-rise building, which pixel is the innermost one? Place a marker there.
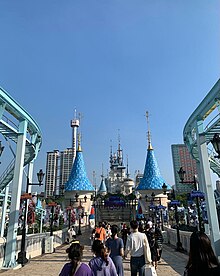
(182, 158)
(66, 163)
(59, 165)
(58, 168)
(51, 172)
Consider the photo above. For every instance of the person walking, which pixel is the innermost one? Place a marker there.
(124, 234)
(101, 232)
(202, 259)
(138, 247)
(150, 233)
(115, 248)
(159, 241)
(101, 264)
(75, 266)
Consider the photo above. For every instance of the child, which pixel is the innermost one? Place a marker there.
(75, 267)
(101, 264)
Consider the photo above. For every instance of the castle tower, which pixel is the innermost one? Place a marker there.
(78, 181)
(117, 172)
(152, 179)
(102, 189)
(128, 184)
(74, 125)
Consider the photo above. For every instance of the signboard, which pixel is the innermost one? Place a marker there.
(197, 194)
(175, 202)
(26, 196)
(52, 204)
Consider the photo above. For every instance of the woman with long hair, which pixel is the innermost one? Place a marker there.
(202, 260)
(101, 263)
(115, 247)
(75, 267)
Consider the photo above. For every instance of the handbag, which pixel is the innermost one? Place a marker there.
(150, 271)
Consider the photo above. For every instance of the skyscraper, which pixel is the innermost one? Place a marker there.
(58, 168)
(182, 158)
(59, 165)
(51, 172)
(66, 163)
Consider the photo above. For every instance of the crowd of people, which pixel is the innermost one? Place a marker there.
(111, 244)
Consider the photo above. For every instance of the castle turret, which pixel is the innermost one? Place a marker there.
(78, 180)
(102, 189)
(152, 178)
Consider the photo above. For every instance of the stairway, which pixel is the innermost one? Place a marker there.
(115, 215)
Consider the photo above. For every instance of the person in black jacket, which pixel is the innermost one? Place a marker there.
(159, 241)
(202, 260)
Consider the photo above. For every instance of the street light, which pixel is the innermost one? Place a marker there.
(195, 194)
(216, 144)
(22, 259)
(80, 215)
(152, 206)
(69, 208)
(52, 204)
(164, 187)
(174, 203)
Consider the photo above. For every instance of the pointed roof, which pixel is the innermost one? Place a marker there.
(102, 188)
(152, 178)
(78, 180)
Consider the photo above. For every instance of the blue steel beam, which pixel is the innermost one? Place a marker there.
(26, 134)
(10, 130)
(209, 104)
(197, 134)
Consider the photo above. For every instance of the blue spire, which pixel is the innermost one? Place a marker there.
(78, 180)
(102, 188)
(152, 178)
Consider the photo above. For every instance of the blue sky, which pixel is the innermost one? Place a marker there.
(113, 61)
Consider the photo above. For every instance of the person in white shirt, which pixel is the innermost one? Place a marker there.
(72, 234)
(138, 247)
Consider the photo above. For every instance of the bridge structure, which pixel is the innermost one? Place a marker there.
(18, 127)
(198, 133)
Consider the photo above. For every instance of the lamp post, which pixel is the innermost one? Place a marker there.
(161, 207)
(95, 207)
(52, 204)
(156, 208)
(95, 197)
(69, 208)
(80, 215)
(175, 203)
(22, 259)
(195, 194)
(86, 215)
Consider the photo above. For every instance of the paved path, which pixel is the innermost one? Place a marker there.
(172, 262)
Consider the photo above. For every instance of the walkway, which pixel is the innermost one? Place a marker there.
(172, 263)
